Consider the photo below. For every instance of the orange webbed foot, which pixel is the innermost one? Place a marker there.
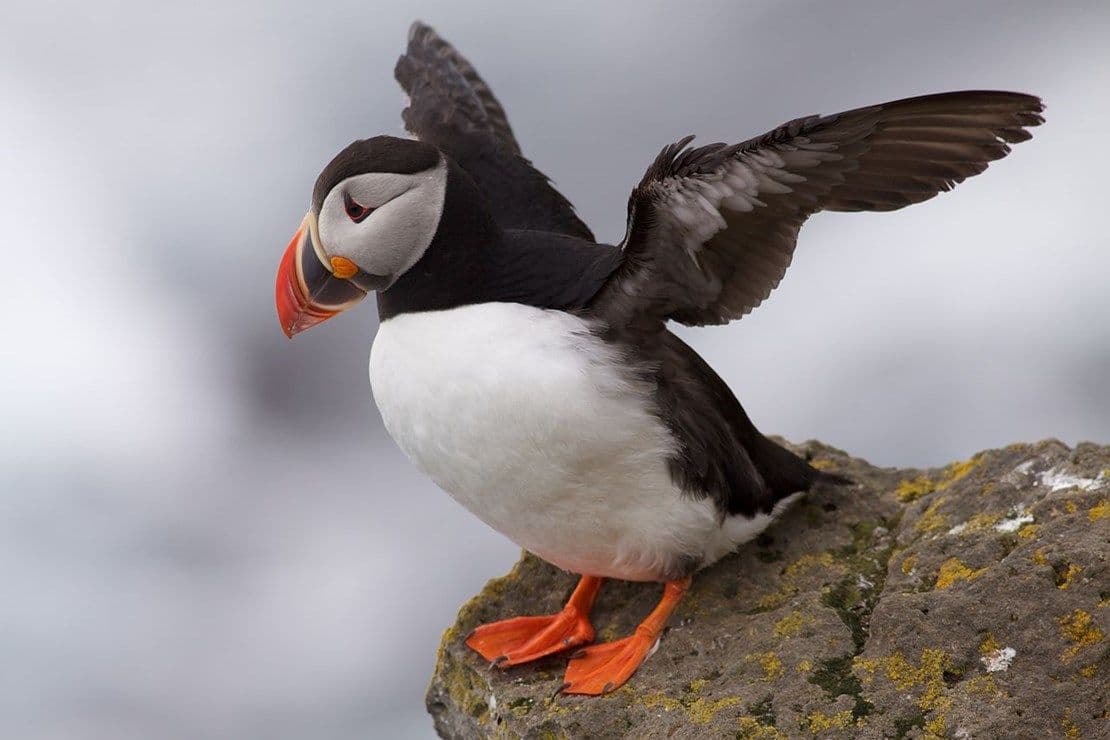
(600, 669)
(523, 639)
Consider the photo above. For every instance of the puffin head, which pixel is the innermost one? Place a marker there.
(375, 209)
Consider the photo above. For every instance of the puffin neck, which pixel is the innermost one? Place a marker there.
(459, 266)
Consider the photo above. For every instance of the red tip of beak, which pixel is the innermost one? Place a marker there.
(295, 311)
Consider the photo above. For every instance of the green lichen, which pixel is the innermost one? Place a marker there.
(763, 711)
(465, 686)
(904, 725)
(835, 677)
(521, 706)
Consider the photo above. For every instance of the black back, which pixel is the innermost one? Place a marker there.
(721, 454)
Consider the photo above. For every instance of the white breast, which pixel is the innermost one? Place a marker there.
(537, 427)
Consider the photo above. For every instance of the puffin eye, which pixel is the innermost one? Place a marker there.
(355, 211)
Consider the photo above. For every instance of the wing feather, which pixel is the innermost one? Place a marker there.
(712, 229)
(451, 107)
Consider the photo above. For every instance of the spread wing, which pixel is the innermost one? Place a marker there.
(451, 108)
(712, 230)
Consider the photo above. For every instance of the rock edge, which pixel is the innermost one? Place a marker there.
(961, 602)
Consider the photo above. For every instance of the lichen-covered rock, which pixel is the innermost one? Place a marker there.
(970, 601)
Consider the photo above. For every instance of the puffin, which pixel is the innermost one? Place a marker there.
(530, 371)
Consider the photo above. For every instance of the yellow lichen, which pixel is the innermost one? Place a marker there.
(936, 728)
(609, 634)
(790, 574)
(1089, 671)
(1079, 628)
(952, 570)
(820, 722)
(661, 700)
(1070, 507)
(1069, 576)
(1101, 510)
(804, 667)
(702, 711)
(907, 564)
(1028, 531)
(791, 624)
(928, 674)
(697, 685)
(807, 562)
(1039, 557)
(776, 599)
(822, 463)
(931, 520)
(769, 662)
(983, 685)
(752, 729)
(957, 471)
(913, 489)
(552, 706)
(980, 522)
(1069, 728)
(989, 645)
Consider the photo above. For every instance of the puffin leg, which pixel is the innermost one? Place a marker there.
(521, 639)
(600, 669)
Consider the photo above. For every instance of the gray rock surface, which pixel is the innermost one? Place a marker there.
(968, 601)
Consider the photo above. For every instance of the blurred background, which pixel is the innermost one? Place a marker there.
(204, 530)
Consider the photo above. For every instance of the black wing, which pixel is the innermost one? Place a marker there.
(451, 108)
(712, 230)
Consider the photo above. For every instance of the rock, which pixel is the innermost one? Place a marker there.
(969, 601)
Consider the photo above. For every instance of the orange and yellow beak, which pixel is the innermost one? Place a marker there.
(311, 288)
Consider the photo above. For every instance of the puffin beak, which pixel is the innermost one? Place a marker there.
(309, 289)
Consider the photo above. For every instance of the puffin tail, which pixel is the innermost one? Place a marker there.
(786, 473)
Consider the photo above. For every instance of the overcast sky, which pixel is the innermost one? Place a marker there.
(204, 530)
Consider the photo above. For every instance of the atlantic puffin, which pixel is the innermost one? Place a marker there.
(529, 370)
